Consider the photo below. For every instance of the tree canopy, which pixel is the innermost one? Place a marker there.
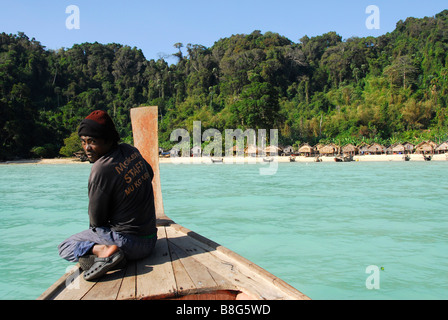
(389, 88)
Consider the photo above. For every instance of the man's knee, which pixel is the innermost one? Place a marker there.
(66, 251)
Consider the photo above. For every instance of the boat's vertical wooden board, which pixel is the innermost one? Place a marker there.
(155, 275)
(146, 140)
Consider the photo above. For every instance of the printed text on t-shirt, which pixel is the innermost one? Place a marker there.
(133, 175)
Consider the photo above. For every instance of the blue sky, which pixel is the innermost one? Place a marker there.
(155, 26)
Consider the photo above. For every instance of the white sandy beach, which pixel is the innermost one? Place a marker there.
(241, 160)
(44, 161)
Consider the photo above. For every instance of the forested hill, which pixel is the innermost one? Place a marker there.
(388, 89)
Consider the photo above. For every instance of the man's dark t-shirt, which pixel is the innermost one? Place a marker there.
(120, 192)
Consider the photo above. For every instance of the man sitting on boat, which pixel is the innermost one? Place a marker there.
(121, 202)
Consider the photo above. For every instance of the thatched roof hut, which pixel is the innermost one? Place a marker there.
(362, 148)
(443, 147)
(272, 150)
(235, 150)
(288, 150)
(397, 148)
(408, 147)
(425, 147)
(196, 151)
(329, 149)
(306, 150)
(175, 151)
(253, 150)
(318, 146)
(349, 149)
(376, 148)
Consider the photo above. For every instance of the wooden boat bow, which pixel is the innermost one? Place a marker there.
(184, 264)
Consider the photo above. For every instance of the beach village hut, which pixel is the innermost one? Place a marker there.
(174, 152)
(376, 148)
(235, 151)
(408, 148)
(425, 147)
(288, 150)
(362, 148)
(306, 150)
(442, 148)
(272, 150)
(196, 151)
(389, 149)
(317, 147)
(252, 151)
(329, 150)
(397, 148)
(349, 150)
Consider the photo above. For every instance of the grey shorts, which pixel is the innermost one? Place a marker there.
(133, 247)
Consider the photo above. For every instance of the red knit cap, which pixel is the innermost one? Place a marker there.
(98, 124)
(99, 116)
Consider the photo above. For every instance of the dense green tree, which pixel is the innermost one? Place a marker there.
(323, 88)
(72, 145)
(258, 107)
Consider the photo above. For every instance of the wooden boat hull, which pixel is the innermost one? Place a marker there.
(184, 264)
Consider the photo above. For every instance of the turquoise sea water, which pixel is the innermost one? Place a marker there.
(318, 226)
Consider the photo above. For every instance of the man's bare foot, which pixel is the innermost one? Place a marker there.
(104, 251)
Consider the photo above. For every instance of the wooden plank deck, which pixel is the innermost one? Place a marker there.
(184, 264)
